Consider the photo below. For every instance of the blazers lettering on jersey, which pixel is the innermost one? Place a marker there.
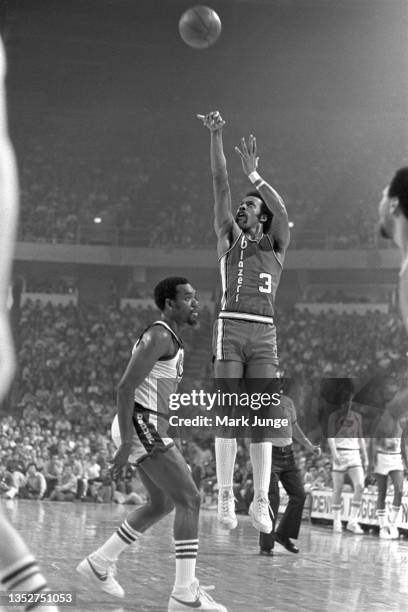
(250, 274)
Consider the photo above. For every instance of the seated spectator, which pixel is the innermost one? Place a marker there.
(66, 489)
(7, 488)
(104, 489)
(78, 469)
(35, 484)
(92, 472)
(52, 472)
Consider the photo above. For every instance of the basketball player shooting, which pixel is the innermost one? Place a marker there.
(251, 246)
(18, 568)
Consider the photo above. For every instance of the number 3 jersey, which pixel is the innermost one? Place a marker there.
(250, 275)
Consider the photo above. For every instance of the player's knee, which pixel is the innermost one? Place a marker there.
(168, 506)
(359, 489)
(397, 497)
(190, 500)
(160, 506)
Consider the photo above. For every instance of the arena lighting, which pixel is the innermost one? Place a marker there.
(291, 224)
(97, 220)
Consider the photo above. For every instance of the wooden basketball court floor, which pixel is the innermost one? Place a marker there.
(332, 572)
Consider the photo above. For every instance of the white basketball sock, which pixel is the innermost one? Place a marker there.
(225, 453)
(394, 514)
(355, 507)
(382, 518)
(261, 458)
(186, 556)
(123, 537)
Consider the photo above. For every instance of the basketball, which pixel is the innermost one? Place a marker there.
(200, 27)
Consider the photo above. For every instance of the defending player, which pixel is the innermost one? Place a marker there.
(349, 456)
(251, 246)
(393, 223)
(153, 372)
(18, 568)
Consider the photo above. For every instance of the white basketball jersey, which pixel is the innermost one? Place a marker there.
(153, 393)
(345, 428)
(389, 446)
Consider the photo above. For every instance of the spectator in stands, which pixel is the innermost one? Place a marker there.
(7, 488)
(52, 472)
(35, 484)
(66, 489)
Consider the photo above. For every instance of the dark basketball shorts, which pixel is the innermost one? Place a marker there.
(149, 435)
(245, 341)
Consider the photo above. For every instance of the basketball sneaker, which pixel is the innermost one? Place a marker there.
(355, 528)
(260, 512)
(394, 533)
(385, 533)
(337, 526)
(102, 573)
(193, 597)
(226, 509)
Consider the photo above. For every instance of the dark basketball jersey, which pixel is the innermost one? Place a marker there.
(250, 274)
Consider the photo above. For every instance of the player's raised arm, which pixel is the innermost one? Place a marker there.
(153, 345)
(223, 218)
(280, 223)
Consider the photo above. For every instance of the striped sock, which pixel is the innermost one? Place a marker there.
(336, 509)
(186, 556)
(382, 518)
(24, 575)
(118, 542)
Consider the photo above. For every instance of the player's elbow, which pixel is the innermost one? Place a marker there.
(220, 178)
(124, 388)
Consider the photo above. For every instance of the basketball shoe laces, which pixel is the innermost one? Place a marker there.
(264, 509)
(227, 502)
(202, 594)
(111, 569)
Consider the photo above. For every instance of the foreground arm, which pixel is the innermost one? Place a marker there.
(8, 226)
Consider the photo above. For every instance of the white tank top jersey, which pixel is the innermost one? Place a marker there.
(346, 429)
(153, 393)
(389, 446)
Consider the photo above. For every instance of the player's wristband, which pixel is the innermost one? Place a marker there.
(254, 177)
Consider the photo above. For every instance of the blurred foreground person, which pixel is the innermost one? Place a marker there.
(18, 568)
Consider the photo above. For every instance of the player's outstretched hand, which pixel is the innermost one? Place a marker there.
(248, 154)
(213, 121)
(120, 460)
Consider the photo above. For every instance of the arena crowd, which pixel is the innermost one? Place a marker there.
(54, 437)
